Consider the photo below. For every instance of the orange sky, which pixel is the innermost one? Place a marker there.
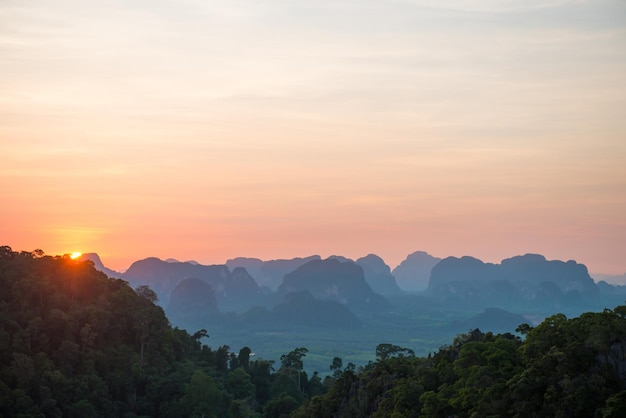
(210, 130)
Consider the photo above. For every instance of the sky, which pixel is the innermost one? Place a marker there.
(208, 130)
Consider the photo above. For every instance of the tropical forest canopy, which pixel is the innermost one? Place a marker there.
(75, 343)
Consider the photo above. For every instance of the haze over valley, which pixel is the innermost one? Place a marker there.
(343, 306)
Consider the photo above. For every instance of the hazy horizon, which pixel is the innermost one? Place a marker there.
(613, 278)
(270, 129)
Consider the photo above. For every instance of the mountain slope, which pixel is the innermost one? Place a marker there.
(332, 279)
(413, 274)
(378, 275)
(97, 263)
(235, 291)
(522, 282)
(192, 305)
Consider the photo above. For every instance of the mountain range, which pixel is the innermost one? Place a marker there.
(192, 293)
(521, 282)
(335, 280)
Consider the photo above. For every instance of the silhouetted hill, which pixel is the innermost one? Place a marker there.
(272, 272)
(192, 305)
(252, 265)
(340, 258)
(413, 274)
(528, 281)
(234, 291)
(464, 269)
(616, 279)
(97, 263)
(534, 268)
(611, 294)
(302, 309)
(494, 320)
(378, 275)
(332, 279)
(173, 260)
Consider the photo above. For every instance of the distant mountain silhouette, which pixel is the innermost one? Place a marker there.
(334, 280)
(413, 274)
(616, 279)
(252, 265)
(612, 294)
(97, 263)
(493, 319)
(464, 269)
(378, 275)
(339, 258)
(297, 310)
(527, 283)
(302, 309)
(173, 260)
(272, 272)
(522, 281)
(534, 268)
(193, 305)
(234, 291)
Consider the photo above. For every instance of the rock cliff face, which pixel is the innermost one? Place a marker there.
(378, 275)
(413, 274)
(234, 291)
(334, 280)
(528, 280)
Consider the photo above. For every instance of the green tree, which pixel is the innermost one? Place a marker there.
(385, 351)
(336, 366)
(238, 384)
(293, 360)
(615, 406)
(146, 293)
(261, 376)
(244, 358)
(203, 397)
(280, 407)
(222, 356)
(314, 385)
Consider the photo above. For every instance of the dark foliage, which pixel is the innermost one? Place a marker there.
(564, 368)
(76, 343)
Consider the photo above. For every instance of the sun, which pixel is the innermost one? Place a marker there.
(75, 255)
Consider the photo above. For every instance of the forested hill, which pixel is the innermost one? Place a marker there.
(75, 343)
(563, 368)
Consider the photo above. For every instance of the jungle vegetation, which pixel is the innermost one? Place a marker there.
(76, 343)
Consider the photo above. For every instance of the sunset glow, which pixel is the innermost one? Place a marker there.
(74, 256)
(211, 130)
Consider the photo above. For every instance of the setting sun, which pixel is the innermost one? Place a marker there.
(75, 255)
